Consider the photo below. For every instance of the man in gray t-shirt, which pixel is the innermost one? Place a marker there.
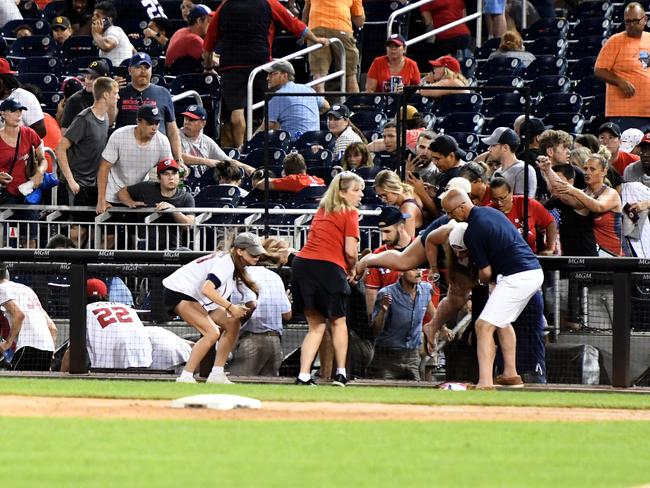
(640, 170)
(130, 153)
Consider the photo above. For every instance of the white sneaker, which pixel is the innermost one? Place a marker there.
(182, 379)
(219, 379)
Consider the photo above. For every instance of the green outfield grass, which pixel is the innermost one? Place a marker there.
(422, 396)
(142, 453)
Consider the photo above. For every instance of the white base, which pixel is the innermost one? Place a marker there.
(216, 402)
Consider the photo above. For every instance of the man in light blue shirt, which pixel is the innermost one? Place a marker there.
(397, 326)
(295, 114)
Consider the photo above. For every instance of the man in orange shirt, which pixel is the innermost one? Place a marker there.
(623, 64)
(334, 18)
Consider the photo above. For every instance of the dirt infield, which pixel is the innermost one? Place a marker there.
(24, 406)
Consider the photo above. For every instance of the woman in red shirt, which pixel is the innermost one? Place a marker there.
(13, 163)
(395, 63)
(321, 269)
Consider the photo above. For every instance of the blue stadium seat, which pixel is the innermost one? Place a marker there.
(487, 48)
(78, 46)
(255, 158)
(323, 138)
(593, 8)
(45, 81)
(504, 119)
(468, 67)
(231, 152)
(545, 65)
(462, 122)
(458, 102)
(26, 47)
(29, 10)
(372, 135)
(369, 120)
(53, 9)
(40, 64)
(590, 86)
(279, 139)
(546, 28)
(504, 102)
(50, 101)
(594, 107)
(368, 173)
(327, 173)
(147, 45)
(557, 102)
(363, 101)
(308, 196)
(422, 104)
(590, 27)
(39, 26)
(508, 81)
(500, 66)
(323, 157)
(369, 195)
(548, 45)
(82, 62)
(569, 122)
(582, 68)
(217, 196)
(544, 85)
(467, 141)
(203, 84)
(588, 46)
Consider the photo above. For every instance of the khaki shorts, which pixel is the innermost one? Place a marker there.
(321, 60)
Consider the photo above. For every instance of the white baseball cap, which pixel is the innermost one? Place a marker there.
(457, 183)
(630, 138)
(457, 235)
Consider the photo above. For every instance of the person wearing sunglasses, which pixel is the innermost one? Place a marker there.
(623, 64)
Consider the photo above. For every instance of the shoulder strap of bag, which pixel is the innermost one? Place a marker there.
(11, 170)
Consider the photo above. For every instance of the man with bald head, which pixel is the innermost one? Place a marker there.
(623, 63)
(502, 256)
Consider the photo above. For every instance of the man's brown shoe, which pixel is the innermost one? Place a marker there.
(509, 381)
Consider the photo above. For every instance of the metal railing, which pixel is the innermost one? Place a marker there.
(189, 94)
(251, 79)
(407, 8)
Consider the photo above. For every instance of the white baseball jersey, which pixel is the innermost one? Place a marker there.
(189, 279)
(34, 331)
(116, 337)
(168, 350)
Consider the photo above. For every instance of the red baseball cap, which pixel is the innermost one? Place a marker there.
(165, 164)
(645, 140)
(446, 62)
(96, 288)
(5, 67)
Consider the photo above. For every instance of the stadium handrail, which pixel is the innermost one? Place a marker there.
(477, 15)
(251, 78)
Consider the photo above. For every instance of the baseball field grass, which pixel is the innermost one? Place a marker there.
(161, 390)
(126, 452)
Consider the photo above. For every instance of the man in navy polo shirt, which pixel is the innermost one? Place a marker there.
(142, 92)
(501, 255)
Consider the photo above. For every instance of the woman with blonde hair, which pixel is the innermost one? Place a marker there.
(512, 46)
(321, 269)
(392, 190)
(445, 72)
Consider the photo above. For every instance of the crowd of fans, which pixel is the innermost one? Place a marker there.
(585, 194)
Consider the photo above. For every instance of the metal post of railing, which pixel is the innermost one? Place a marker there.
(55, 165)
(621, 330)
(402, 11)
(524, 9)
(251, 79)
(187, 94)
(78, 319)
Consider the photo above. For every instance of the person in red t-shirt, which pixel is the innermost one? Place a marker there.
(13, 163)
(609, 135)
(394, 63)
(538, 217)
(188, 41)
(320, 273)
(295, 176)
(441, 12)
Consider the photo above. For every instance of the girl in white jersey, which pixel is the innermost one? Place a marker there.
(199, 291)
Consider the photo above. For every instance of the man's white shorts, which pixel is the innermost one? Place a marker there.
(510, 296)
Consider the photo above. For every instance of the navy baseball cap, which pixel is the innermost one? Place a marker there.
(12, 105)
(396, 39)
(391, 216)
(140, 58)
(446, 145)
(503, 135)
(196, 112)
(198, 11)
(149, 113)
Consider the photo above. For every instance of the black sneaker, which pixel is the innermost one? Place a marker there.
(339, 380)
(309, 382)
